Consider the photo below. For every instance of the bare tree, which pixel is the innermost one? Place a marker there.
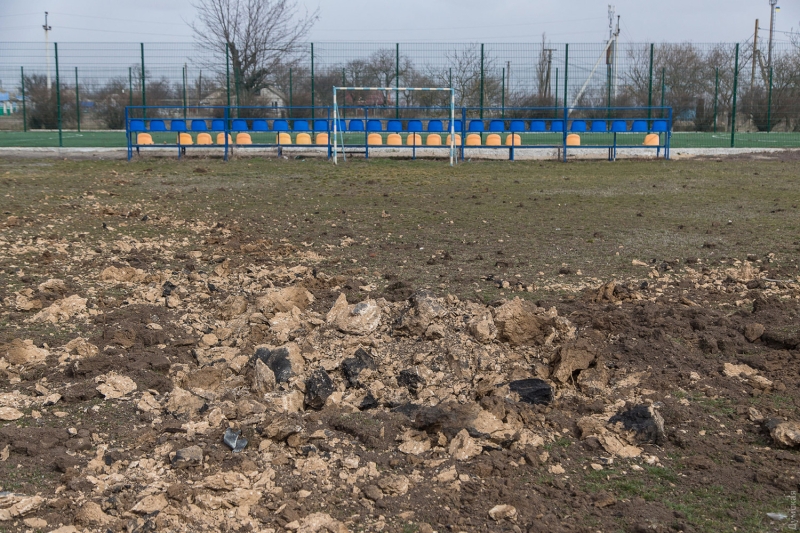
(261, 35)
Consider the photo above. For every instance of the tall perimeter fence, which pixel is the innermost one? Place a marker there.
(722, 94)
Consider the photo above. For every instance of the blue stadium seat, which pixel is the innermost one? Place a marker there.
(394, 125)
(341, 126)
(177, 125)
(456, 126)
(260, 125)
(199, 125)
(320, 125)
(415, 125)
(280, 125)
(538, 125)
(476, 125)
(578, 126)
(435, 126)
(497, 125)
(137, 125)
(619, 126)
(599, 126)
(356, 125)
(217, 125)
(639, 126)
(557, 125)
(157, 125)
(374, 125)
(239, 125)
(659, 125)
(517, 125)
(300, 125)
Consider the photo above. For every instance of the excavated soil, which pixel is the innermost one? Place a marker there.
(372, 403)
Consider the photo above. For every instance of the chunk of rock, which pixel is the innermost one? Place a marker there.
(463, 447)
(394, 485)
(644, 421)
(411, 379)
(352, 367)
(19, 352)
(520, 322)
(359, 319)
(743, 370)
(16, 505)
(233, 306)
(503, 512)
(753, 331)
(263, 378)
(285, 362)
(320, 523)
(114, 386)
(8, 414)
(61, 310)
(24, 301)
(150, 504)
(81, 347)
(122, 274)
(573, 357)
(185, 457)
(233, 439)
(593, 380)
(318, 387)
(183, 403)
(533, 391)
(91, 514)
(482, 327)
(785, 433)
(283, 300)
(424, 310)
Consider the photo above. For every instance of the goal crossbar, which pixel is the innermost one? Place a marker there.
(398, 89)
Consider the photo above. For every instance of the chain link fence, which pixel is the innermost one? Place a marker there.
(718, 92)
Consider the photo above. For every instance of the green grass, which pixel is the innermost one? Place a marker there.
(116, 139)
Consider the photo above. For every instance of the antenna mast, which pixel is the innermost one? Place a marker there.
(47, 29)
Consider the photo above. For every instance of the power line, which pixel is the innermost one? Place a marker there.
(117, 19)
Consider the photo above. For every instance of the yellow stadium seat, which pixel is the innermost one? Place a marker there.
(414, 139)
(651, 139)
(322, 138)
(221, 138)
(458, 140)
(144, 138)
(204, 138)
(303, 138)
(473, 139)
(243, 138)
(434, 139)
(284, 138)
(573, 139)
(493, 140)
(513, 140)
(185, 138)
(394, 139)
(375, 139)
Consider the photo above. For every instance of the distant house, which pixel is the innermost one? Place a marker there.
(272, 97)
(8, 105)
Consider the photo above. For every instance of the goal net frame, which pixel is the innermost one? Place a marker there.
(397, 89)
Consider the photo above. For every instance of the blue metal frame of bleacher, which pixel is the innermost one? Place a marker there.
(616, 122)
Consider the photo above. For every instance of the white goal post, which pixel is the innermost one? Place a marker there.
(439, 89)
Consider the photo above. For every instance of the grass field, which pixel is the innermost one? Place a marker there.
(116, 139)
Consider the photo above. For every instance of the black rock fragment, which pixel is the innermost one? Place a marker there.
(318, 387)
(234, 440)
(645, 421)
(533, 391)
(353, 366)
(278, 361)
(411, 380)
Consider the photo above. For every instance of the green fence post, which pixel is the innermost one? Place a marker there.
(77, 100)
(663, 89)
(555, 104)
(144, 91)
(503, 96)
(481, 81)
(290, 89)
(228, 74)
(769, 103)
(312, 80)
(735, 87)
(236, 75)
(130, 86)
(58, 100)
(396, 80)
(566, 77)
(24, 110)
(716, 97)
(650, 84)
(184, 92)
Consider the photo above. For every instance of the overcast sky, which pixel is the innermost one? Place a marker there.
(574, 21)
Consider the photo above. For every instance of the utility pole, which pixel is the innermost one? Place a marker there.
(508, 77)
(47, 29)
(611, 52)
(772, 4)
(547, 87)
(755, 55)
